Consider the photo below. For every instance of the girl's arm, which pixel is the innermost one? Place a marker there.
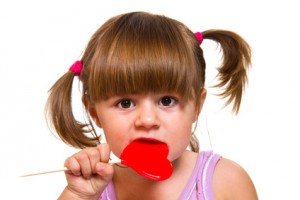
(231, 182)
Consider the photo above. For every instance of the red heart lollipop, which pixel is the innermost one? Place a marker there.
(148, 157)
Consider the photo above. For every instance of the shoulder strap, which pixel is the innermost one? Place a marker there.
(204, 180)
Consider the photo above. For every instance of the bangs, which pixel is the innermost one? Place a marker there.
(141, 55)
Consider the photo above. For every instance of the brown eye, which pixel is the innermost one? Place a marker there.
(126, 103)
(167, 101)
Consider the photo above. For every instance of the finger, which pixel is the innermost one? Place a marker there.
(94, 157)
(72, 164)
(104, 152)
(84, 162)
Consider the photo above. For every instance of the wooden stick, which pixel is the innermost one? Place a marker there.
(45, 172)
(57, 170)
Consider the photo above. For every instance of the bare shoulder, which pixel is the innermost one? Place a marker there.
(231, 181)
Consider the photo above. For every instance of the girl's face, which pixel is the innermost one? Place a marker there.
(164, 117)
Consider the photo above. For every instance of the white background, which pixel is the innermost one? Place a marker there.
(39, 40)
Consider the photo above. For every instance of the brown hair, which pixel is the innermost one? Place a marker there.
(140, 52)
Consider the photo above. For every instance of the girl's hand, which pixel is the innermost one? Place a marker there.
(89, 173)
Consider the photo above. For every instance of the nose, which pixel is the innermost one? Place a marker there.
(147, 116)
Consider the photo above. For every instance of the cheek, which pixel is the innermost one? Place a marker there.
(179, 140)
(116, 139)
(177, 149)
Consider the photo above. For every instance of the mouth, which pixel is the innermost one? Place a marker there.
(148, 141)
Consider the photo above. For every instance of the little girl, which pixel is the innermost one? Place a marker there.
(143, 77)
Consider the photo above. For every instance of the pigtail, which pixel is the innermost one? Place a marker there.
(60, 116)
(233, 70)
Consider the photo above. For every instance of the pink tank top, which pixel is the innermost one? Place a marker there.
(199, 186)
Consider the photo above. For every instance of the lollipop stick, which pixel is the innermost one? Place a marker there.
(45, 172)
(56, 170)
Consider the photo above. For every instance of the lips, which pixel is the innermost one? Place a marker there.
(148, 141)
(148, 157)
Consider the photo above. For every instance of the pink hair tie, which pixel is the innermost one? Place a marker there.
(76, 68)
(199, 37)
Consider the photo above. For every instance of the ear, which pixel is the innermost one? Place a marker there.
(200, 103)
(90, 107)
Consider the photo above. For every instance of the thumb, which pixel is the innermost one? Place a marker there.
(105, 170)
(104, 173)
